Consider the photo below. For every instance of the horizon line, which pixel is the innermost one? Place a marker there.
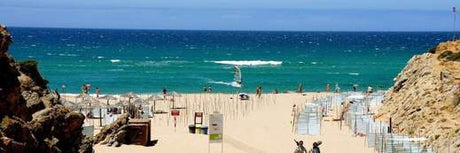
(223, 30)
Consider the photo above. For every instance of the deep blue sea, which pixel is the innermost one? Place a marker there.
(145, 61)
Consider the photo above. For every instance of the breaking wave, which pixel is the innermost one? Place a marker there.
(233, 84)
(115, 60)
(249, 63)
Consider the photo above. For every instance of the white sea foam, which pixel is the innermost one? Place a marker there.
(115, 70)
(332, 73)
(115, 60)
(100, 57)
(233, 84)
(160, 63)
(249, 63)
(353, 73)
(68, 55)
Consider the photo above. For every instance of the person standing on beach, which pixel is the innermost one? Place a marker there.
(300, 148)
(259, 91)
(315, 148)
(369, 89)
(355, 87)
(327, 87)
(164, 92)
(210, 89)
(97, 92)
(83, 89)
(300, 88)
(337, 88)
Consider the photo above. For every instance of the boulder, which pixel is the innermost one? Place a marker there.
(32, 118)
(114, 133)
(424, 99)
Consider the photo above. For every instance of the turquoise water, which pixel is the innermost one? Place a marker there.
(145, 61)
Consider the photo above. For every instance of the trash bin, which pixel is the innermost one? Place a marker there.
(204, 130)
(191, 128)
(198, 129)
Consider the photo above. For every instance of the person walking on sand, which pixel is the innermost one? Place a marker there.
(83, 89)
(300, 148)
(337, 88)
(315, 148)
(355, 87)
(369, 89)
(97, 92)
(164, 92)
(259, 91)
(299, 88)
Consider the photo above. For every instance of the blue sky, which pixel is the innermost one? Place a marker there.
(298, 15)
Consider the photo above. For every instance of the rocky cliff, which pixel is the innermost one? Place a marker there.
(32, 117)
(424, 100)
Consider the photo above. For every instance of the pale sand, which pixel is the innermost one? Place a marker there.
(264, 129)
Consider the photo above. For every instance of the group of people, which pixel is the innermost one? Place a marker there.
(301, 149)
(85, 89)
(207, 89)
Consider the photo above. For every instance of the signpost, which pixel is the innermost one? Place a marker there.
(198, 118)
(175, 113)
(216, 128)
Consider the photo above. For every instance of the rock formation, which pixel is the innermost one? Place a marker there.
(115, 133)
(32, 117)
(425, 98)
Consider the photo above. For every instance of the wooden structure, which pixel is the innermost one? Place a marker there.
(139, 131)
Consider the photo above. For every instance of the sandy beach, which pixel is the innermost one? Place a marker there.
(260, 125)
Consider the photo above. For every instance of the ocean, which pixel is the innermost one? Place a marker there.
(145, 61)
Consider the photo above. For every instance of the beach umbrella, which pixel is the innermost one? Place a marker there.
(174, 94)
(130, 95)
(69, 104)
(108, 98)
(154, 98)
(122, 103)
(90, 101)
(82, 96)
(357, 97)
(140, 102)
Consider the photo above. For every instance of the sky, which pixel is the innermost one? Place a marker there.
(267, 15)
